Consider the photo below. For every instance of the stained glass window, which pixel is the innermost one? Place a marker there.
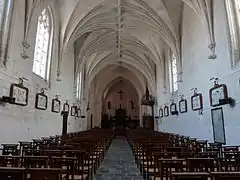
(41, 64)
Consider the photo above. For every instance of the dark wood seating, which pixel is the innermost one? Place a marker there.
(9, 161)
(190, 175)
(7, 173)
(10, 149)
(75, 157)
(171, 156)
(225, 175)
(44, 173)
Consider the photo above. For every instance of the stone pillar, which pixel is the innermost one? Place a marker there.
(5, 24)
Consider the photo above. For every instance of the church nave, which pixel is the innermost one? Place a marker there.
(119, 89)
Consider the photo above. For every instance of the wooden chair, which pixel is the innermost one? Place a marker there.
(10, 149)
(190, 176)
(9, 161)
(167, 166)
(9, 173)
(44, 174)
(35, 161)
(229, 164)
(201, 164)
(225, 175)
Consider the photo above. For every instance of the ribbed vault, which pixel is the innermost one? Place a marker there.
(138, 31)
(128, 39)
(121, 32)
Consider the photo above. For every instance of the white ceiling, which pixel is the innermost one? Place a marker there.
(131, 34)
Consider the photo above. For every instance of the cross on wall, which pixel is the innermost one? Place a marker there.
(120, 94)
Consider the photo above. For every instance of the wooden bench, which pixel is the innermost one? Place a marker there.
(75, 157)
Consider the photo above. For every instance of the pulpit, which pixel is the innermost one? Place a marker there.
(147, 100)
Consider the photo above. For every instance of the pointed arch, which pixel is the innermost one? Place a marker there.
(44, 44)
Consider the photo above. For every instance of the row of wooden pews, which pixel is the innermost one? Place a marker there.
(164, 156)
(76, 156)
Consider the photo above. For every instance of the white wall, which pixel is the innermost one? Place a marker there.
(197, 70)
(24, 123)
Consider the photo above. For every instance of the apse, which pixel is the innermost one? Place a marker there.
(121, 95)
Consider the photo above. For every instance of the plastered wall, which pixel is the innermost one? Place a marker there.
(24, 123)
(197, 70)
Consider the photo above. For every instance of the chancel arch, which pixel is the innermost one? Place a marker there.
(103, 81)
(122, 95)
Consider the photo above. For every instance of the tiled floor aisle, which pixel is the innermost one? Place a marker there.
(119, 163)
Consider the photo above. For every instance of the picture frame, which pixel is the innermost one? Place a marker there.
(66, 107)
(218, 125)
(173, 109)
(41, 101)
(160, 113)
(217, 93)
(197, 102)
(166, 111)
(20, 93)
(56, 105)
(73, 110)
(183, 106)
(78, 112)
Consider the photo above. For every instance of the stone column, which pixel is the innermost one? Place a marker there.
(5, 24)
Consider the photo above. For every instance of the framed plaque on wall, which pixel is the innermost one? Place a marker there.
(56, 105)
(41, 101)
(20, 93)
(73, 110)
(197, 102)
(160, 112)
(183, 106)
(166, 111)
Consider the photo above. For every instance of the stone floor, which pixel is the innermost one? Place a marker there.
(119, 163)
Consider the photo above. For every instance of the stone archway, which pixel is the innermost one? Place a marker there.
(122, 97)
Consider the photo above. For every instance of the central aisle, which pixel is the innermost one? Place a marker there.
(119, 163)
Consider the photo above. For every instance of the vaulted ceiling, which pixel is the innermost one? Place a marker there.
(130, 34)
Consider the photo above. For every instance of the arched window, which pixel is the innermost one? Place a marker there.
(43, 46)
(173, 79)
(79, 86)
(233, 12)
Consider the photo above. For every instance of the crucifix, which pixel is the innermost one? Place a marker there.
(120, 93)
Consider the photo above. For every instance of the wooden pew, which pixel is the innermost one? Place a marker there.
(44, 173)
(77, 157)
(158, 154)
(190, 175)
(7, 173)
(225, 175)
